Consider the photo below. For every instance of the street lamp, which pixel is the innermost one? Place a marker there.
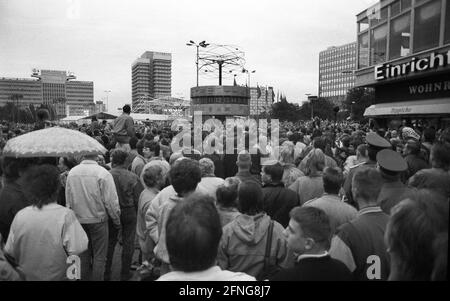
(351, 109)
(201, 44)
(107, 99)
(311, 104)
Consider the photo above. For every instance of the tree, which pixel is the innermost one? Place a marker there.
(321, 107)
(285, 111)
(358, 100)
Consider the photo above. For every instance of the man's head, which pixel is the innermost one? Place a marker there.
(193, 233)
(150, 149)
(244, 160)
(361, 152)
(250, 198)
(412, 147)
(332, 180)
(118, 157)
(272, 173)
(413, 228)
(366, 186)
(309, 231)
(126, 109)
(440, 156)
(184, 176)
(207, 167)
(227, 193)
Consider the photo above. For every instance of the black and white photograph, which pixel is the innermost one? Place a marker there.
(224, 146)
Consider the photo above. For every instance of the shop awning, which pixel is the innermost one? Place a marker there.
(422, 107)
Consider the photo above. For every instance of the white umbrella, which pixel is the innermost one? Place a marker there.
(52, 142)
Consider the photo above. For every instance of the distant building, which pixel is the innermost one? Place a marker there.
(151, 76)
(50, 87)
(263, 103)
(99, 107)
(336, 72)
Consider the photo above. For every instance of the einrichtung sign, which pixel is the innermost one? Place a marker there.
(414, 65)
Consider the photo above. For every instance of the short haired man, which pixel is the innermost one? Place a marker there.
(193, 233)
(123, 129)
(129, 189)
(308, 236)
(92, 195)
(278, 201)
(330, 202)
(209, 183)
(244, 163)
(360, 243)
(184, 176)
(437, 177)
(413, 158)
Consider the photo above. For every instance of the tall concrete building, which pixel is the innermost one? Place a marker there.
(151, 76)
(49, 87)
(336, 72)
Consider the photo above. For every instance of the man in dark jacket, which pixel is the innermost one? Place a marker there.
(308, 236)
(129, 189)
(278, 201)
(413, 158)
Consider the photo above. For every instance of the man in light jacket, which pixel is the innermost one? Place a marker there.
(91, 194)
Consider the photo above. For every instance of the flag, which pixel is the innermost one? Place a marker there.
(278, 95)
(258, 89)
(234, 82)
(273, 96)
(267, 92)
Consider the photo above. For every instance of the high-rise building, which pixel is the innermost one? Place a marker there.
(336, 72)
(151, 76)
(263, 103)
(51, 87)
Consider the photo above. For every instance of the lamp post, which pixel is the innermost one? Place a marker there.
(351, 109)
(107, 99)
(201, 44)
(311, 103)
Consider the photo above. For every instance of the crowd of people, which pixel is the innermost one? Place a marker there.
(339, 201)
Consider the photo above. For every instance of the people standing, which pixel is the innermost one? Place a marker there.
(129, 189)
(45, 234)
(360, 243)
(123, 129)
(92, 195)
(308, 236)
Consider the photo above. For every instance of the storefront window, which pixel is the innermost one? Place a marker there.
(447, 23)
(363, 45)
(426, 26)
(378, 39)
(400, 37)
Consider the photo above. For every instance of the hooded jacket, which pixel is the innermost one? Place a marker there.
(243, 245)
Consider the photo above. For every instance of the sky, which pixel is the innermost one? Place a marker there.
(98, 40)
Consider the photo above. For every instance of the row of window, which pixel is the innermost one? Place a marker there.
(373, 44)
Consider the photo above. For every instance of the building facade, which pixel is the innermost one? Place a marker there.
(262, 104)
(57, 88)
(404, 54)
(151, 76)
(336, 72)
